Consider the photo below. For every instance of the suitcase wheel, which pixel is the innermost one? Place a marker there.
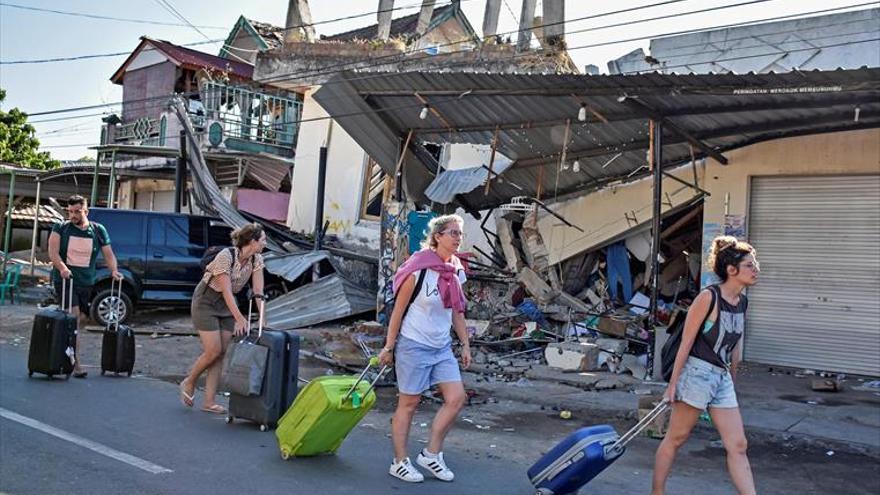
(30, 372)
(129, 373)
(102, 372)
(67, 376)
(285, 453)
(230, 419)
(264, 427)
(50, 376)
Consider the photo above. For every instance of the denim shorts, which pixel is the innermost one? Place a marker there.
(702, 384)
(420, 366)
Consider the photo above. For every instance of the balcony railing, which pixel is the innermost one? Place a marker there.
(249, 116)
(144, 131)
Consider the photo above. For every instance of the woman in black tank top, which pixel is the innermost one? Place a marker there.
(702, 378)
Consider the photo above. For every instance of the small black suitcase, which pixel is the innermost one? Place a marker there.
(117, 345)
(53, 339)
(280, 384)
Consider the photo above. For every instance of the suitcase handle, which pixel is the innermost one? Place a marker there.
(64, 294)
(259, 320)
(617, 447)
(373, 362)
(118, 301)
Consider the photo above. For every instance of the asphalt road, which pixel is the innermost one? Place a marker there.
(108, 435)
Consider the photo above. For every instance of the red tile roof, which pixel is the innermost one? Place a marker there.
(189, 58)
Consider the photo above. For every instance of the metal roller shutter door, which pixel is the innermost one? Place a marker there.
(817, 304)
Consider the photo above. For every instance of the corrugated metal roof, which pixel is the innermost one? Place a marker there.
(450, 183)
(291, 266)
(328, 299)
(268, 170)
(724, 111)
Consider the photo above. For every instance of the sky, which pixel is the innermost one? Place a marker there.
(34, 88)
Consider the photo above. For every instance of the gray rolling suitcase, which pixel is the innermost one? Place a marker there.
(280, 385)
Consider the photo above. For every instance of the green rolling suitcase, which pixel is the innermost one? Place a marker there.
(324, 413)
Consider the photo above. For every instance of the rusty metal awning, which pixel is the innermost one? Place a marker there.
(703, 115)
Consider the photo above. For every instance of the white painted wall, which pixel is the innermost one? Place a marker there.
(344, 185)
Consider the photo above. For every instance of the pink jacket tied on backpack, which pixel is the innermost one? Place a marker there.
(448, 284)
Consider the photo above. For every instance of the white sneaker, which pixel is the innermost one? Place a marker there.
(436, 465)
(406, 471)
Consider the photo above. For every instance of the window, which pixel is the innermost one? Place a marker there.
(219, 235)
(375, 191)
(177, 232)
(123, 228)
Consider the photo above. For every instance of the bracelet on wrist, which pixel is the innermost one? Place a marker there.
(388, 350)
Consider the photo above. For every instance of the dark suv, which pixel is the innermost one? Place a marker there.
(159, 255)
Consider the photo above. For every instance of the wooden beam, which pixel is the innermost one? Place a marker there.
(491, 163)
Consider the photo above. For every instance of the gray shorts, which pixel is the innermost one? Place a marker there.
(209, 311)
(419, 366)
(702, 384)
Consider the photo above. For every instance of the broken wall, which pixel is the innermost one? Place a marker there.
(606, 214)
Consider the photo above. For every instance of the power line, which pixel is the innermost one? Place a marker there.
(401, 57)
(744, 57)
(209, 41)
(364, 76)
(102, 17)
(451, 43)
(657, 36)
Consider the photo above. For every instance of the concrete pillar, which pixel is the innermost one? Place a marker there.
(526, 18)
(384, 15)
(425, 17)
(554, 22)
(490, 18)
(299, 22)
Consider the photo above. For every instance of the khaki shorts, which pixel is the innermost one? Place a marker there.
(209, 311)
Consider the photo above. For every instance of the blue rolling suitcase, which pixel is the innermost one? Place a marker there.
(584, 454)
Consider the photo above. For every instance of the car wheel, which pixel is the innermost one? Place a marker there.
(106, 307)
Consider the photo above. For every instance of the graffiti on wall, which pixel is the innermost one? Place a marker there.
(393, 249)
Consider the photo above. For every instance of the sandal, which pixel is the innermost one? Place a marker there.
(80, 374)
(185, 398)
(215, 409)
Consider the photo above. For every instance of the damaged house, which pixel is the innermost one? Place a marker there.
(435, 37)
(608, 170)
(246, 131)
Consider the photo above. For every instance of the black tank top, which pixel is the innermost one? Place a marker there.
(716, 341)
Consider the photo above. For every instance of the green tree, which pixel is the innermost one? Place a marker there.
(18, 143)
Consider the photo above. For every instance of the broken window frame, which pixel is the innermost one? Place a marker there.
(373, 190)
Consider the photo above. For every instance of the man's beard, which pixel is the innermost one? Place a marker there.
(78, 222)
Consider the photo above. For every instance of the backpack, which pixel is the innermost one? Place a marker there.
(212, 253)
(670, 348)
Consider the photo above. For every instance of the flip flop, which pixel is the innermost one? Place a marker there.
(215, 409)
(80, 374)
(185, 398)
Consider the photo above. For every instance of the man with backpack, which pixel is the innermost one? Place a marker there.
(73, 250)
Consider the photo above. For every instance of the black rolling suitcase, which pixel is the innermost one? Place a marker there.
(117, 345)
(279, 381)
(53, 338)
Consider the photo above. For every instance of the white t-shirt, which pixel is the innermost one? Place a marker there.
(427, 321)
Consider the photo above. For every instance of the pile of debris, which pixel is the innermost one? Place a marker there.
(524, 314)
